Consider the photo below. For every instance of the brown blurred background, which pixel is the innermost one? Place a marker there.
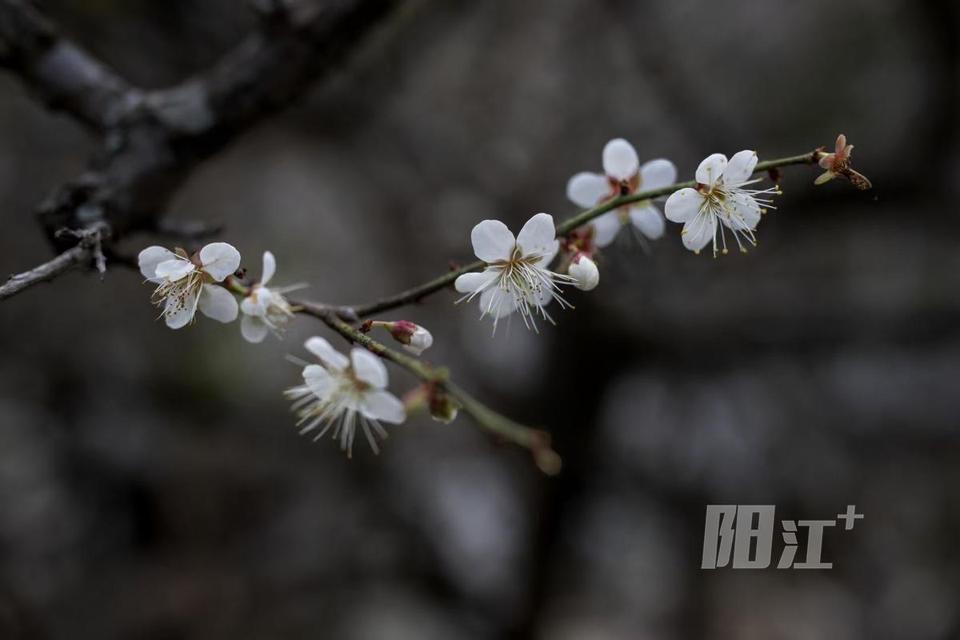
(152, 484)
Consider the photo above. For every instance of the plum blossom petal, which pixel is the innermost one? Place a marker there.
(699, 231)
(383, 405)
(538, 236)
(657, 174)
(711, 169)
(743, 210)
(150, 258)
(475, 281)
(220, 260)
(620, 160)
(180, 308)
(605, 228)
(253, 329)
(648, 220)
(318, 379)
(492, 241)
(217, 303)
(841, 145)
(368, 368)
(175, 269)
(497, 303)
(330, 357)
(254, 305)
(547, 257)
(269, 267)
(588, 189)
(683, 205)
(740, 168)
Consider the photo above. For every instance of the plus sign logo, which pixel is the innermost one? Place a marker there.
(743, 534)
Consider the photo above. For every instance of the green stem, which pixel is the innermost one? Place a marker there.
(535, 440)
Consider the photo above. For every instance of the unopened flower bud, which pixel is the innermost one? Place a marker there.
(413, 337)
(584, 272)
(443, 408)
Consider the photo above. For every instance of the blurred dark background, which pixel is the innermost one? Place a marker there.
(152, 484)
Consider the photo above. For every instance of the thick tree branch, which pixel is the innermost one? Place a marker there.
(63, 75)
(153, 140)
(418, 293)
(272, 67)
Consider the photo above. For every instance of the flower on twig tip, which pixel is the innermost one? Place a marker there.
(584, 272)
(342, 393)
(623, 175)
(516, 277)
(186, 283)
(838, 164)
(721, 201)
(265, 309)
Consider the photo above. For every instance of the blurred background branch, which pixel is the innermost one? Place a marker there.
(152, 140)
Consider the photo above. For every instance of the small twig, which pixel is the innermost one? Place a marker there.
(88, 247)
(418, 293)
(534, 440)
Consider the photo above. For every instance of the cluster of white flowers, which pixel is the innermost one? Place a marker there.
(342, 393)
(187, 283)
(516, 275)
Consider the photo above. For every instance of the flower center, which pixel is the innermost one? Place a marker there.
(179, 290)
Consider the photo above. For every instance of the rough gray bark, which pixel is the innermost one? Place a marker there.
(153, 139)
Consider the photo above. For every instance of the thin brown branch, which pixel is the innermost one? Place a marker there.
(536, 441)
(418, 293)
(87, 250)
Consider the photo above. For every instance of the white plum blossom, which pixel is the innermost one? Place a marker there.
(623, 175)
(265, 309)
(185, 284)
(584, 272)
(720, 201)
(342, 393)
(516, 277)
